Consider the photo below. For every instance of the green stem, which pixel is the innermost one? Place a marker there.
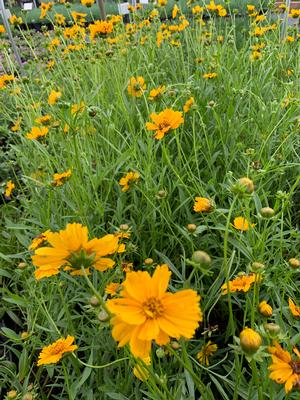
(94, 290)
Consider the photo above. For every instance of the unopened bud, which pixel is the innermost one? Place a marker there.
(124, 227)
(257, 267)
(94, 301)
(22, 265)
(272, 329)
(103, 316)
(160, 353)
(161, 194)
(24, 335)
(175, 345)
(12, 394)
(265, 309)
(201, 257)
(27, 396)
(267, 212)
(250, 340)
(148, 261)
(247, 183)
(294, 263)
(191, 227)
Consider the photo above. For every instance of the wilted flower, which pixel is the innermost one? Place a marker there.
(60, 179)
(9, 188)
(128, 179)
(265, 309)
(295, 310)
(136, 86)
(203, 205)
(206, 351)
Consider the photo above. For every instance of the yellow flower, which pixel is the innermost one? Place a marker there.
(295, 310)
(162, 3)
(87, 3)
(53, 353)
(197, 10)
(146, 312)
(154, 93)
(136, 86)
(241, 283)
(44, 120)
(294, 13)
(14, 20)
(284, 369)
(209, 75)
(9, 188)
(113, 288)
(206, 351)
(164, 122)
(129, 178)
(37, 132)
(265, 309)
(17, 125)
(188, 104)
(255, 55)
(44, 8)
(71, 248)
(140, 371)
(74, 32)
(54, 97)
(77, 108)
(202, 204)
(2, 29)
(60, 19)
(290, 39)
(241, 224)
(250, 340)
(100, 28)
(38, 241)
(175, 11)
(60, 179)
(4, 79)
(250, 7)
(79, 18)
(127, 266)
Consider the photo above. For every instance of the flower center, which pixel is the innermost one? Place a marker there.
(153, 308)
(164, 124)
(295, 367)
(59, 347)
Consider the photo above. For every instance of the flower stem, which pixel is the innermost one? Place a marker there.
(94, 290)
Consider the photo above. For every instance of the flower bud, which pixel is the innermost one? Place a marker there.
(103, 316)
(24, 335)
(267, 212)
(247, 183)
(22, 265)
(175, 345)
(124, 227)
(201, 257)
(211, 104)
(94, 301)
(257, 267)
(27, 396)
(294, 263)
(250, 340)
(265, 309)
(272, 329)
(161, 194)
(148, 261)
(191, 227)
(12, 394)
(160, 353)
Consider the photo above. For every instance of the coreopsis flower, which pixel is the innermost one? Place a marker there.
(202, 205)
(60, 179)
(164, 122)
(210, 75)
(127, 266)
(136, 86)
(54, 97)
(38, 241)
(295, 310)
(79, 18)
(241, 224)
(75, 32)
(14, 20)
(241, 283)
(44, 120)
(100, 28)
(155, 93)
(87, 3)
(260, 18)
(10, 186)
(197, 10)
(162, 3)
(113, 288)
(284, 368)
(175, 11)
(255, 55)
(128, 180)
(206, 351)
(71, 248)
(5, 79)
(16, 125)
(250, 7)
(140, 371)
(60, 19)
(294, 13)
(146, 311)
(290, 39)
(37, 132)
(2, 29)
(45, 7)
(250, 340)
(53, 353)
(265, 309)
(54, 44)
(188, 104)
(77, 108)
